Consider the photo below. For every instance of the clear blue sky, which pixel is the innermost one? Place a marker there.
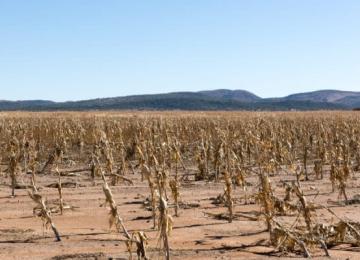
(79, 49)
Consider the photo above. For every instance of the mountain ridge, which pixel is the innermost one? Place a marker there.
(219, 99)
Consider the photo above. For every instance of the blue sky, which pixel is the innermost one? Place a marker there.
(79, 49)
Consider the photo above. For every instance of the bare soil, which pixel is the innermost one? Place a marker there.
(198, 233)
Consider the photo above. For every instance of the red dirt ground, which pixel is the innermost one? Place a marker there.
(196, 234)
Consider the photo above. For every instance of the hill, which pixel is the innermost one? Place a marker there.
(331, 96)
(221, 99)
(238, 95)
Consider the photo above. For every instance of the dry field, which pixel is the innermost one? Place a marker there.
(179, 185)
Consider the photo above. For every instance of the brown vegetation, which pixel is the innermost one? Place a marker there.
(293, 176)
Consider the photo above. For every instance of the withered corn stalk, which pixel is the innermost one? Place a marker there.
(346, 225)
(241, 181)
(13, 171)
(44, 212)
(174, 184)
(115, 218)
(59, 186)
(94, 166)
(165, 226)
(165, 221)
(228, 195)
(305, 209)
(318, 169)
(305, 159)
(140, 239)
(54, 156)
(32, 163)
(282, 230)
(265, 198)
(147, 174)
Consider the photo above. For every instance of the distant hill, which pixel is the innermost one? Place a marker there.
(221, 99)
(25, 105)
(331, 96)
(238, 95)
(348, 99)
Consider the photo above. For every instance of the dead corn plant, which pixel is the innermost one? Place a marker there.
(165, 226)
(32, 161)
(141, 241)
(44, 213)
(59, 186)
(165, 221)
(174, 183)
(115, 219)
(305, 208)
(228, 195)
(54, 156)
(139, 238)
(14, 170)
(153, 191)
(265, 198)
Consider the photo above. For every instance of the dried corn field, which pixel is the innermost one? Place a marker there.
(179, 185)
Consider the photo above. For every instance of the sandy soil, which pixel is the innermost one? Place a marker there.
(196, 233)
